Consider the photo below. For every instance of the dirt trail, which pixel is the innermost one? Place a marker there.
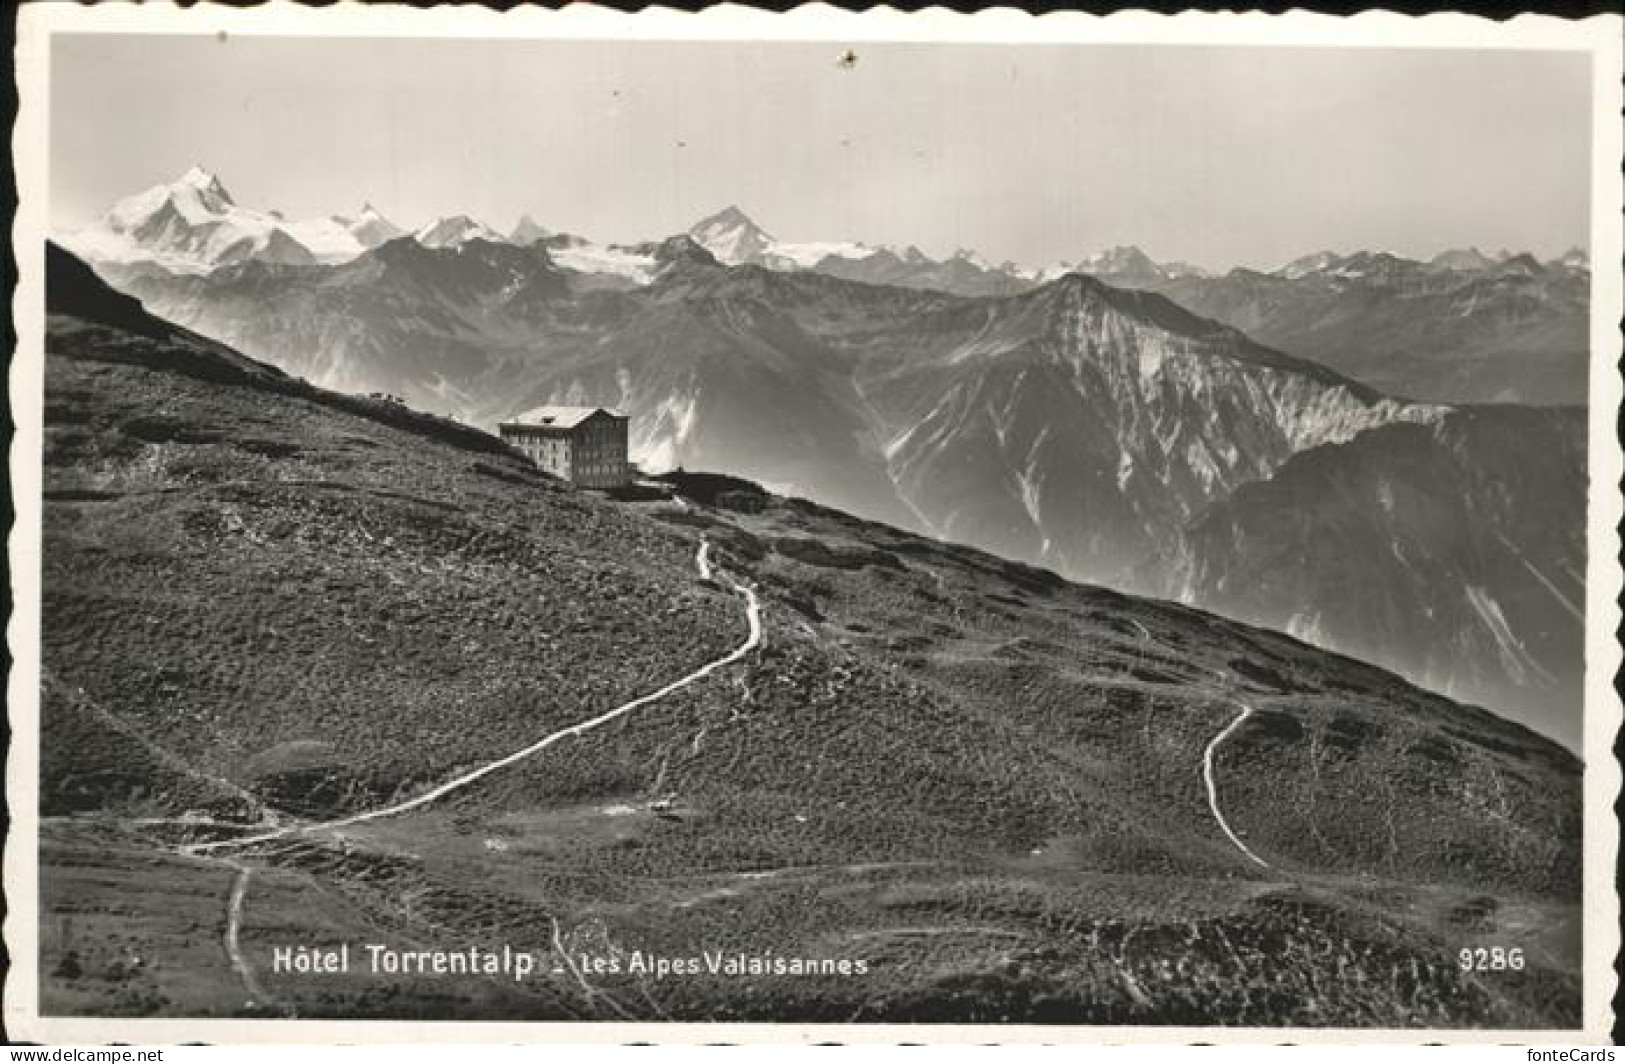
(753, 616)
(1212, 788)
(234, 923)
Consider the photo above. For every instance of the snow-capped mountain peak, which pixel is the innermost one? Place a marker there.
(1574, 258)
(731, 236)
(1124, 265)
(340, 238)
(456, 230)
(527, 231)
(1522, 264)
(730, 217)
(189, 225)
(1308, 264)
(369, 229)
(1176, 270)
(1117, 259)
(205, 181)
(196, 197)
(1379, 267)
(1462, 259)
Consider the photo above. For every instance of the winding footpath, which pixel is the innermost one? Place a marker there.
(234, 908)
(1212, 788)
(753, 616)
(234, 922)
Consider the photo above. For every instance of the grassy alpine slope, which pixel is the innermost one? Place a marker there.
(271, 605)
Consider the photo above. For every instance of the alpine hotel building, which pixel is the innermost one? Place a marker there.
(585, 445)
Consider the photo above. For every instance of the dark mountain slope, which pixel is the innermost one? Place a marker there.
(984, 782)
(89, 319)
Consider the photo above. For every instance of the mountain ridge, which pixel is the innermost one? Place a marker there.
(1464, 326)
(740, 240)
(193, 225)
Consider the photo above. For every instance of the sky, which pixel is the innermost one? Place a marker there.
(1035, 153)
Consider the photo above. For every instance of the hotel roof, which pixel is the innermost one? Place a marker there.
(560, 417)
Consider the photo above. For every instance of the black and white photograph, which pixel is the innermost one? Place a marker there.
(875, 523)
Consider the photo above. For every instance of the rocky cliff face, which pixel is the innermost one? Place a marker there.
(1083, 424)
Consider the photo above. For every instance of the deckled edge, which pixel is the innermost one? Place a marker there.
(25, 382)
(1605, 579)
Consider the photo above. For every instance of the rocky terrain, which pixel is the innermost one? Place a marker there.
(1013, 797)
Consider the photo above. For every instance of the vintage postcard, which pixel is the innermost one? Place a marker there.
(819, 526)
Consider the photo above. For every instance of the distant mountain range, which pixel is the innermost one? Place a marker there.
(1464, 327)
(193, 225)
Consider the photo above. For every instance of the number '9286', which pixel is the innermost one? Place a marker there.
(1490, 959)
